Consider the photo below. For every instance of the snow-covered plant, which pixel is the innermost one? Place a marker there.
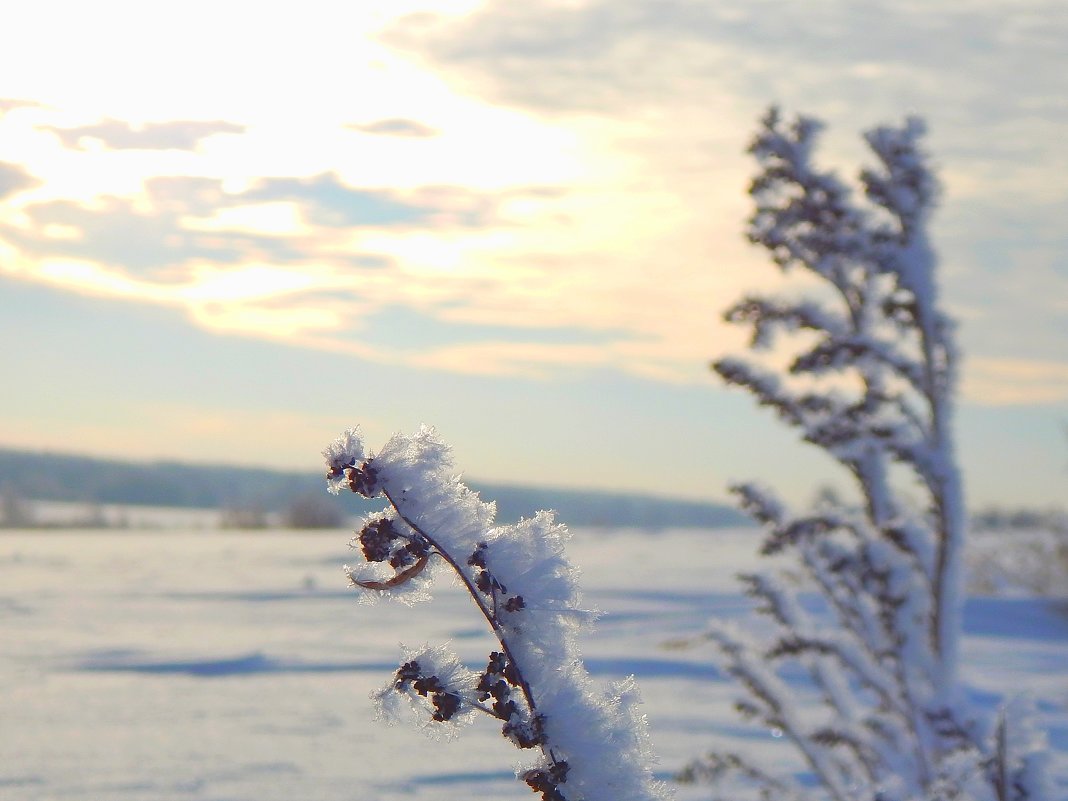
(865, 600)
(590, 744)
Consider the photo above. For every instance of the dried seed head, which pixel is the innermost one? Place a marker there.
(446, 705)
(406, 673)
(412, 552)
(363, 480)
(343, 453)
(478, 558)
(445, 702)
(546, 781)
(376, 540)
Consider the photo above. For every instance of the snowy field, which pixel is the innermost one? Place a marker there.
(236, 666)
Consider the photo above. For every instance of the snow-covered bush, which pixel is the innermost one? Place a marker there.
(591, 744)
(868, 604)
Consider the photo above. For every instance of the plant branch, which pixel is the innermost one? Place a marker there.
(491, 617)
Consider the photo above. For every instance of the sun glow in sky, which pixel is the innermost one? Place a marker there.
(519, 222)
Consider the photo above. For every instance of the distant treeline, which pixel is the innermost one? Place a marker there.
(65, 477)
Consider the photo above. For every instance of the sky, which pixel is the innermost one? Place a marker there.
(230, 230)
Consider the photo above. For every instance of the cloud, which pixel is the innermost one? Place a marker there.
(396, 126)
(329, 202)
(686, 80)
(405, 328)
(434, 240)
(621, 57)
(180, 220)
(9, 104)
(1004, 382)
(988, 78)
(530, 359)
(172, 135)
(317, 262)
(150, 238)
(14, 179)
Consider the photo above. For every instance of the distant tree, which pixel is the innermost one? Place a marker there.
(871, 382)
(312, 511)
(93, 517)
(15, 511)
(243, 516)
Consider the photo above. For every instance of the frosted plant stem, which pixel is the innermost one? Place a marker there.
(871, 382)
(1001, 785)
(491, 617)
(594, 741)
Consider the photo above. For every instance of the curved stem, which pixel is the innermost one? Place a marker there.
(490, 616)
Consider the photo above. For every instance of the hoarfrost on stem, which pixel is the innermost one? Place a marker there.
(871, 383)
(592, 743)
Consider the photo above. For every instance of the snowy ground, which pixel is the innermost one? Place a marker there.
(237, 667)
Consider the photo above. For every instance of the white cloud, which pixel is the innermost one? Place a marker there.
(585, 171)
(1004, 382)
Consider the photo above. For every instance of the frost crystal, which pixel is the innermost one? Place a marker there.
(344, 452)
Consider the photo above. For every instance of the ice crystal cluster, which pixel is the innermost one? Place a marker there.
(868, 604)
(589, 744)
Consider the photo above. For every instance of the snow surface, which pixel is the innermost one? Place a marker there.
(238, 666)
